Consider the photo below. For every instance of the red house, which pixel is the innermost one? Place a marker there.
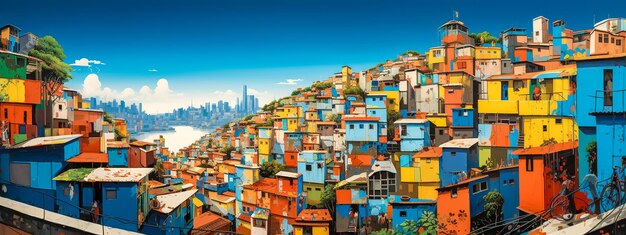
(141, 154)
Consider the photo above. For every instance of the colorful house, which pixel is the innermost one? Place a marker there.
(361, 140)
(542, 171)
(351, 207)
(173, 210)
(419, 173)
(117, 152)
(33, 164)
(313, 221)
(457, 158)
(141, 154)
(413, 134)
(312, 166)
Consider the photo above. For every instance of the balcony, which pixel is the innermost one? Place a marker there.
(498, 106)
(607, 102)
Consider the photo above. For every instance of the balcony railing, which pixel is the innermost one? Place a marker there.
(609, 101)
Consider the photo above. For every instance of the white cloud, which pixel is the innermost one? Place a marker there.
(153, 70)
(161, 98)
(84, 62)
(290, 82)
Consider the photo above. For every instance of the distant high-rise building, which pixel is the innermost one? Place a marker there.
(226, 107)
(122, 105)
(250, 104)
(214, 107)
(220, 106)
(140, 108)
(93, 103)
(245, 98)
(256, 104)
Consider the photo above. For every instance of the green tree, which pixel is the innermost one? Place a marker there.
(228, 151)
(322, 85)
(484, 37)
(53, 70)
(493, 206)
(332, 117)
(592, 157)
(328, 198)
(269, 169)
(354, 90)
(248, 117)
(133, 139)
(159, 171)
(427, 223)
(392, 116)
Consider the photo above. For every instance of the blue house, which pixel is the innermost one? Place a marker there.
(458, 157)
(72, 194)
(312, 166)
(362, 129)
(506, 181)
(600, 109)
(408, 208)
(123, 193)
(174, 211)
(414, 134)
(376, 106)
(32, 164)
(118, 153)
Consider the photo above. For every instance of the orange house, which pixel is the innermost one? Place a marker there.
(538, 169)
(141, 154)
(19, 119)
(453, 208)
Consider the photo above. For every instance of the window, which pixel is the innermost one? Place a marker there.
(308, 189)
(454, 193)
(427, 160)
(259, 223)
(351, 126)
(545, 128)
(361, 126)
(606, 38)
(462, 65)
(536, 33)
(600, 38)
(308, 167)
(6, 113)
(618, 42)
(452, 153)
(402, 213)
(441, 132)
(318, 189)
(60, 107)
(558, 121)
(608, 87)
(25, 117)
(371, 126)
(612, 40)
(291, 182)
(403, 131)
(111, 194)
(465, 113)
(480, 187)
(530, 165)
(511, 181)
(504, 183)
(20, 174)
(374, 112)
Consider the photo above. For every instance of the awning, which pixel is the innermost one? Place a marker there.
(197, 202)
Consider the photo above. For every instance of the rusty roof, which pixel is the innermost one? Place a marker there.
(171, 201)
(208, 221)
(314, 215)
(90, 158)
(43, 141)
(428, 151)
(460, 143)
(118, 174)
(140, 143)
(117, 144)
(548, 149)
(372, 119)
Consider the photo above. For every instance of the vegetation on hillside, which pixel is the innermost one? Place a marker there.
(269, 169)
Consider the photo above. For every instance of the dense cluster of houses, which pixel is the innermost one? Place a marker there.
(420, 142)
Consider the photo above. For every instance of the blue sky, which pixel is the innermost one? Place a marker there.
(208, 49)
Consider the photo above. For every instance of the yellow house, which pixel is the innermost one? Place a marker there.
(346, 74)
(422, 173)
(313, 221)
(436, 56)
(393, 99)
(543, 101)
(482, 53)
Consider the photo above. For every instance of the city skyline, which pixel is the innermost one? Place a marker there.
(107, 66)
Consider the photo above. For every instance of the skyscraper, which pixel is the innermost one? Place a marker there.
(245, 99)
(250, 103)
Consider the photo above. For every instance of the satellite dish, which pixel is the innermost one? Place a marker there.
(154, 204)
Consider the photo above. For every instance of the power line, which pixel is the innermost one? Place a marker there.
(122, 220)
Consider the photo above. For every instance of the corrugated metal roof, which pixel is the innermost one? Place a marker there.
(77, 174)
(288, 174)
(382, 166)
(411, 120)
(460, 143)
(428, 152)
(315, 215)
(548, 149)
(43, 141)
(171, 201)
(118, 174)
(117, 144)
(90, 158)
